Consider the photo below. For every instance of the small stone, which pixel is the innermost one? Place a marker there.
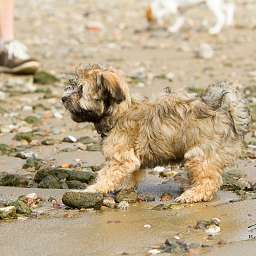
(32, 120)
(128, 196)
(84, 175)
(148, 226)
(2, 95)
(32, 196)
(43, 77)
(49, 182)
(27, 109)
(8, 212)
(123, 205)
(109, 202)
(234, 180)
(21, 207)
(147, 198)
(154, 251)
(33, 163)
(70, 139)
(159, 169)
(86, 140)
(48, 142)
(26, 155)
(13, 180)
(165, 197)
(205, 51)
(212, 230)
(27, 136)
(57, 114)
(94, 147)
(83, 200)
(76, 184)
(6, 150)
(170, 76)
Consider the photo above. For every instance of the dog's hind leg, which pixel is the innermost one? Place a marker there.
(116, 171)
(204, 167)
(132, 180)
(216, 7)
(177, 25)
(229, 9)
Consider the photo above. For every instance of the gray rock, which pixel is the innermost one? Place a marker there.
(48, 142)
(26, 155)
(13, 180)
(234, 180)
(109, 202)
(205, 51)
(76, 184)
(59, 173)
(50, 182)
(70, 139)
(128, 196)
(83, 200)
(33, 163)
(94, 147)
(8, 212)
(21, 207)
(86, 140)
(84, 175)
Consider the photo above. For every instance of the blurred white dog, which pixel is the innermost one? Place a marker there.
(223, 10)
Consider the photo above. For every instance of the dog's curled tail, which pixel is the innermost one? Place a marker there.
(225, 95)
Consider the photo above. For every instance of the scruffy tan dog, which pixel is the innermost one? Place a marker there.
(205, 132)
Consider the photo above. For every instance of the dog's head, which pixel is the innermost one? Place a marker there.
(93, 92)
(149, 14)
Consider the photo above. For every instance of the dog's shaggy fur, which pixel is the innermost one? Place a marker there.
(205, 132)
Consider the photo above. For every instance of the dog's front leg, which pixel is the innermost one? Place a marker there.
(116, 170)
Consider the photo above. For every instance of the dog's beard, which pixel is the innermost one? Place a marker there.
(79, 114)
(85, 116)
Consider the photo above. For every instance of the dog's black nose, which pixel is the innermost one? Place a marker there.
(64, 99)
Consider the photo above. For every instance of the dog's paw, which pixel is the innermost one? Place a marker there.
(192, 196)
(214, 31)
(173, 30)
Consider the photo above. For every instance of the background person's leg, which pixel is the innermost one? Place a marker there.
(13, 54)
(6, 20)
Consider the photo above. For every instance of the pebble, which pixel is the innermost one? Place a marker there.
(212, 230)
(7, 212)
(26, 155)
(2, 95)
(154, 251)
(32, 196)
(170, 76)
(148, 226)
(27, 108)
(159, 169)
(205, 51)
(70, 139)
(128, 196)
(123, 205)
(109, 202)
(21, 207)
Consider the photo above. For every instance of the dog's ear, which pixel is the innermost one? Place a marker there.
(111, 82)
